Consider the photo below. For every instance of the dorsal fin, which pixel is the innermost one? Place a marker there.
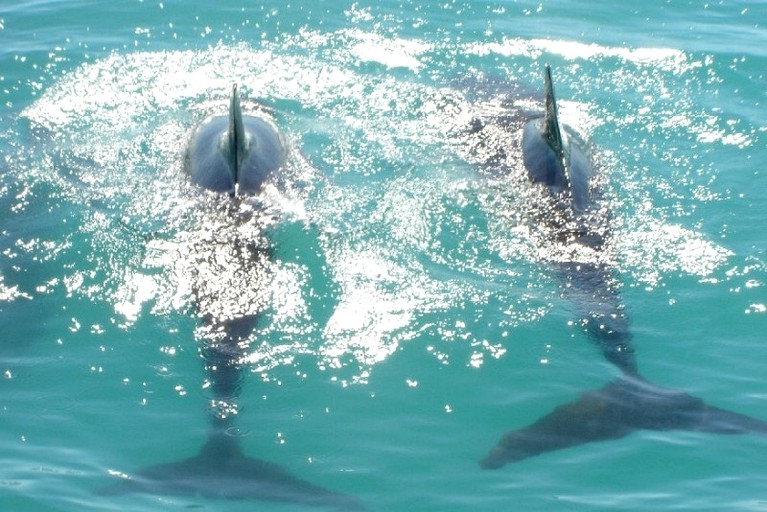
(236, 134)
(551, 131)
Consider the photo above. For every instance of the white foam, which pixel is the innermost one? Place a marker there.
(666, 58)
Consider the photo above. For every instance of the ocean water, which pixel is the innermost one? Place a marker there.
(414, 316)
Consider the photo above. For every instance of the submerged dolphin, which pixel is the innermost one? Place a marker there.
(236, 154)
(557, 158)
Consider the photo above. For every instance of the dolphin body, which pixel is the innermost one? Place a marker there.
(235, 154)
(557, 158)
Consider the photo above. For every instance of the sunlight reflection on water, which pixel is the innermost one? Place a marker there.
(118, 128)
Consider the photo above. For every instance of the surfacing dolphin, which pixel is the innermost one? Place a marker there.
(236, 154)
(557, 158)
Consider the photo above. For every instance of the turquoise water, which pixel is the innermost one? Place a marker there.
(414, 318)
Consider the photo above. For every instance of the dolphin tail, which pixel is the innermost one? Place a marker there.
(614, 411)
(220, 470)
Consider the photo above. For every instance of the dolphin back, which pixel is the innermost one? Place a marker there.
(263, 157)
(207, 158)
(235, 153)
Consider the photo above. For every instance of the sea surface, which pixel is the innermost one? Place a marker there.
(414, 315)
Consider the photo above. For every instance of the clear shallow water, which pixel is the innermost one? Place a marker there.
(415, 319)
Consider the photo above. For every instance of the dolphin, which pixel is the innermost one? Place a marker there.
(557, 159)
(234, 154)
